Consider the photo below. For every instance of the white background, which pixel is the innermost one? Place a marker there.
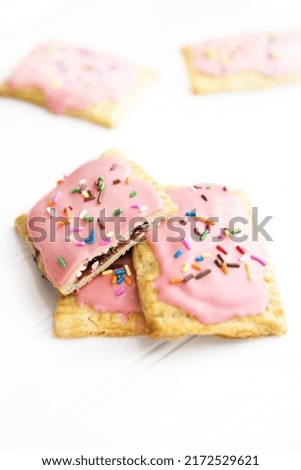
(201, 393)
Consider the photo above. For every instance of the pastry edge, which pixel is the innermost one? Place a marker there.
(75, 321)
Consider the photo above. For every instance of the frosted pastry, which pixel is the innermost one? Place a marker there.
(244, 62)
(197, 277)
(107, 306)
(79, 82)
(91, 218)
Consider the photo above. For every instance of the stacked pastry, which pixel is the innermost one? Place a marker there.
(129, 257)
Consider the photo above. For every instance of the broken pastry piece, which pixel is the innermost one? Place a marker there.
(78, 82)
(244, 62)
(92, 218)
(107, 306)
(204, 272)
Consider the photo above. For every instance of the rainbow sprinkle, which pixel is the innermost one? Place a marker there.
(259, 260)
(199, 258)
(133, 193)
(185, 267)
(61, 262)
(178, 253)
(56, 197)
(249, 271)
(136, 206)
(117, 212)
(80, 243)
(190, 213)
(107, 272)
(91, 238)
(186, 244)
(120, 291)
(176, 280)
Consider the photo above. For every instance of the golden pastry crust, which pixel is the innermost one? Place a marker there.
(168, 209)
(108, 113)
(202, 83)
(167, 321)
(74, 321)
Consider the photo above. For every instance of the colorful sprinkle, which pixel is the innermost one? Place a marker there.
(249, 271)
(190, 213)
(80, 243)
(218, 263)
(259, 260)
(133, 193)
(91, 238)
(221, 249)
(117, 212)
(110, 234)
(120, 280)
(204, 197)
(127, 270)
(120, 291)
(117, 181)
(178, 253)
(113, 279)
(120, 271)
(224, 268)
(186, 244)
(85, 194)
(204, 235)
(220, 258)
(136, 206)
(67, 211)
(88, 219)
(61, 262)
(143, 208)
(99, 198)
(199, 258)
(101, 186)
(176, 280)
(113, 167)
(243, 258)
(187, 278)
(107, 272)
(233, 265)
(74, 190)
(226, 232)
(82, 181)
(235, 231)
(203, 274)
(56, 197)
(185, 267)
(197, 267)
(83, 213)
(206, 254)
(128, 281)
(240, 250)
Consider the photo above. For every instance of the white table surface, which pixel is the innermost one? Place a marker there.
(137, 392)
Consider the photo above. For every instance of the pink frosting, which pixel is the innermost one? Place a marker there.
(73, 78)
(216, 297)
(268, 54)
(115, 196)
(100, 294)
